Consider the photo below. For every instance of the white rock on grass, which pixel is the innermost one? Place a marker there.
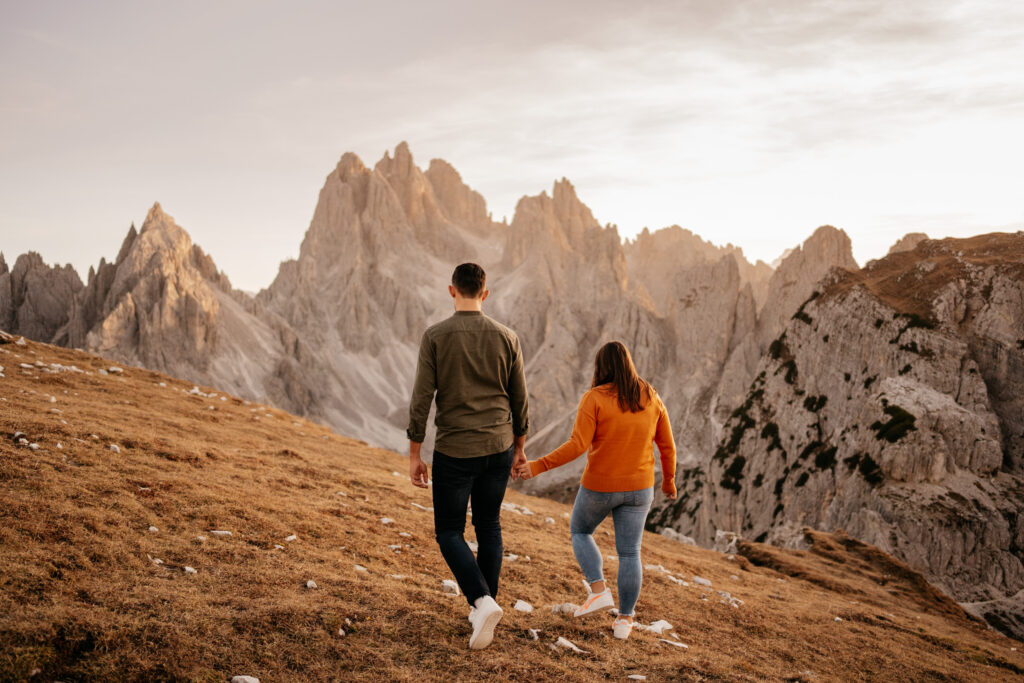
(395, 547)
(838, 619)
(21, 342)
(114, 447)
(674, 643)
(564, 608)
(511, 557)
(659, 627)
(34, 446)
(153, 529)
(473, 545)
(549, 520)
(278, 546)
(701, 581)
(290, 538)
(220, 532)
(422, 507)
(405, 534)
(245, 679)
(360, 568)
(386, 520)
(568, 645)
(450, 587)
(636, 677)
(190, 570)
(534, 633)
(114, 369)
(397, 577)
(311, 584)
(522, 606)
(200, 538)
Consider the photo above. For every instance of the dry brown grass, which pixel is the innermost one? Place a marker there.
(899, 282)
(81, 600)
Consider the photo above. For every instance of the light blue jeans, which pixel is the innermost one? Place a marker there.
(629, 512)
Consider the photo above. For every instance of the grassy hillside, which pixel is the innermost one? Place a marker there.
(84, 599)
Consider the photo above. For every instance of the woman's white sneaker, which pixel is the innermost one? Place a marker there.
(595, 602)
(484, 617)
(621, 628)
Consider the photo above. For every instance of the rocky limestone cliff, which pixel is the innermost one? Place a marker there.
(891, 407)
(35, 298)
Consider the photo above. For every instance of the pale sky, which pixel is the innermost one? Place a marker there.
(746, 122)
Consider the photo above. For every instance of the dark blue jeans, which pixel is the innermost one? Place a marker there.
(456, 482)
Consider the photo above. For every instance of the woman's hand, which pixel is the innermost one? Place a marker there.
(523, 471)
(669, 490)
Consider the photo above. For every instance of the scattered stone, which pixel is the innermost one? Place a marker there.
(534, 633)
(397, 577)
(360, 568)
(21, 342)
(115, 369)
(200, 538)
(190, 570)
(405, 534)
(34, 446)
(568, 645)
(289, 539)
(473, 545)
(22, 441)
(522, 606)
(114, 447)
(245, 679)
(396, 548)
(674, 535)
(93, 436)
(154, 560)
(386, 520)
(341, 632)
(838, 618)
(659, 627)
(422, 507)
(277, 546)
(701, 581)
(342, 494)
(511, 557)
(153, 529)
(60, 447)
(636, 677)
(564, 608)
(220, 532)
(395, 474)
(53, 399)
(311, 584)
(674, 643)
(549, 520)
(734, 577)
(450, 587)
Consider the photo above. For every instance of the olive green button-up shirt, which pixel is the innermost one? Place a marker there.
(474, 365)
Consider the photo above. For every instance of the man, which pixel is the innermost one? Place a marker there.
(475, 366)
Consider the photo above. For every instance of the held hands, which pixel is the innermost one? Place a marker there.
(518, 465)
(523, 471)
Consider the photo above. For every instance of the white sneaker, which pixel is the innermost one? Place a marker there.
(484, 617)
(621, 628)
(595, 602)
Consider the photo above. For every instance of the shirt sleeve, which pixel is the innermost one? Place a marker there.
(582, 436)
(423, 389)
(666, 448)
(518, 399)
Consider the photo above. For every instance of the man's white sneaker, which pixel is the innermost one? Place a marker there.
(595, 602)
(484, 617)
(621, 628)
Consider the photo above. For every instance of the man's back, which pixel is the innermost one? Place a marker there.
(475, 365)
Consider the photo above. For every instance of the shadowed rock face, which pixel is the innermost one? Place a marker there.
(35, 298)
(891, 407)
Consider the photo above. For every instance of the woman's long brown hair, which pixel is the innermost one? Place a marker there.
(613, 365)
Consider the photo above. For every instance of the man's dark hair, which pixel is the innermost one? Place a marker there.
(469, 279)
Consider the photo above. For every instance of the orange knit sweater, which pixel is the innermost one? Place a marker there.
(621, 456)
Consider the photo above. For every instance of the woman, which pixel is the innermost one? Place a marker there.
(617, 420)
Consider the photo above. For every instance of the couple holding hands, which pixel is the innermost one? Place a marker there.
(472, 368)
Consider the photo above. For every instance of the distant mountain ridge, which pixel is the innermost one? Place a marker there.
(334, 336)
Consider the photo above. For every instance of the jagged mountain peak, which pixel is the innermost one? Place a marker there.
(907, 242)
(3, 263)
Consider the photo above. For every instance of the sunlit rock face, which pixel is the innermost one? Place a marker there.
(891, 405)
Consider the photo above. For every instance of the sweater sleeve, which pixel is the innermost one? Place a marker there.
(578, 443)
(666, 449)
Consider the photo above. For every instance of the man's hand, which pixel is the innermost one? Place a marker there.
(418, 472)
(417, 468)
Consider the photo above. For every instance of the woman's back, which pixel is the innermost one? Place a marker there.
(621, 454)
